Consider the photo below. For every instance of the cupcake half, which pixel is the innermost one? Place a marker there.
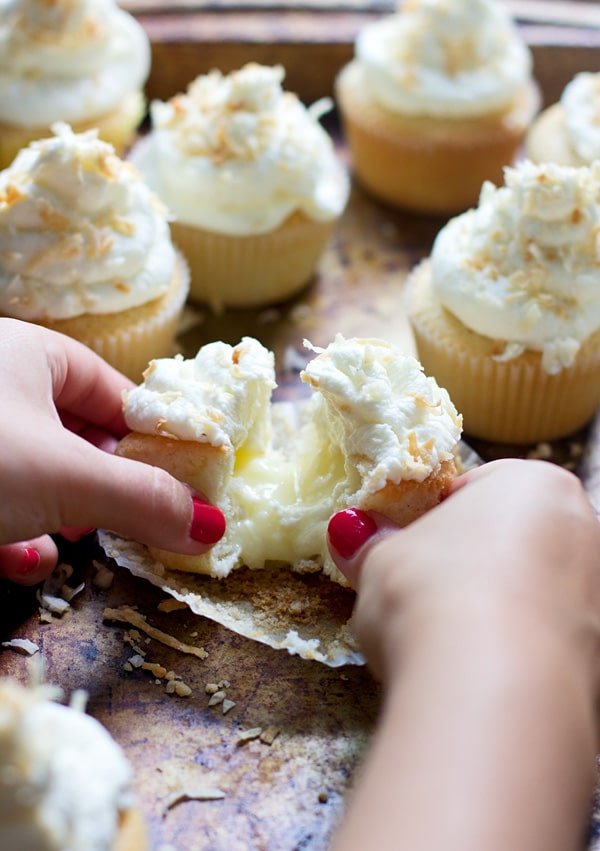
(252, 180)
(435, 102)
(506, 313)
(86, 250)
(81, 62)
(568, 132)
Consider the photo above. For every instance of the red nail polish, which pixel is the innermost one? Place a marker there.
(349, 530)
(208, 522)
(28, 562)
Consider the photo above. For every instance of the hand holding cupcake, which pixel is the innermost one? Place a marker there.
(436, 101)
(84, 62)
(506, 313)
(252, 180)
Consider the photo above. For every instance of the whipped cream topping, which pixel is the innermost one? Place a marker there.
(387, 418)
(581, 103)
(238, 155)
(63, 780)
(80, 232)
(524, 267)
(67, 60)
(219, 397)
(446, 58)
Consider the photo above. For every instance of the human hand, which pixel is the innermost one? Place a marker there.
(60, 419)
(482, 618)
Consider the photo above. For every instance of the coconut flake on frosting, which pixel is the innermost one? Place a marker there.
(80, 231)
(581, 104)
(68, 60)
(524, 266)
(63, 780)
(238, 155)
(446, 58)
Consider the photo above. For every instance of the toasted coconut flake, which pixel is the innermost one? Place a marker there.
(249, 735)
(216, 698)
(23, 645)
(103, 578)
(171, 605)
(227, 705)
(206, 794)
(269, 735)
(125, 614)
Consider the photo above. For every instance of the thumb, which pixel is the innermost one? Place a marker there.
(351, 534)
(133, 499)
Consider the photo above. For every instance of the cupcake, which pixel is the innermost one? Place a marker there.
(252, 180)
(84, 62)
(376, 434)
(65, 784)
(568, 133)
(436, 101)
(506, 312)
(85, 250)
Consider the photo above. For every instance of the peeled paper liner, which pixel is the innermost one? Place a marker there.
(305, 614)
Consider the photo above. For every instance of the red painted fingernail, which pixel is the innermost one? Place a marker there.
(349, 530)
(208, 522)
(29, 561)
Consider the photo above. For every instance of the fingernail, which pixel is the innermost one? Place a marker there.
(208, 522)
(28, 561)
(349, 530)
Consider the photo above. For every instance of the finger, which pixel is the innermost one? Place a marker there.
(351, 534)
(84, 385)
(133, 499)
(75, 533)
(28, 562)
(97, 436)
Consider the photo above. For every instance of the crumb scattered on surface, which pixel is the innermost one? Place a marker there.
(207, 794)
(543, 451)
(125, 614)
(227, 705)
(323, 797)
(22, 645)
(249, 735)
(269, 735)
(136, 661)
(211, 688)
(103, 577)
(217, 697)
(171, 605)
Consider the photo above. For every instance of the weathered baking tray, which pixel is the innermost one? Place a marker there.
(285, 792)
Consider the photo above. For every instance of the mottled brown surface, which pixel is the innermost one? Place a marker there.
(288, 795)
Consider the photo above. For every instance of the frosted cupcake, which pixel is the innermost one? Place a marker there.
(568, 132)
(85, 249)
(506, 313)
(64, 782)
(84, 62)
(252, 180)
(376, 434)
(436, 101)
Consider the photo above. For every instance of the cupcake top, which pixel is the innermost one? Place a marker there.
(581, 103)
(68, 60)
(80, 232)
(524, 266)
(446, 58)
(238, 155)
(219, 397)
(370, 402)
(63, 780)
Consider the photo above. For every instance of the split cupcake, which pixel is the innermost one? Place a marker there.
(568, 132)
(84, 62)
(436, 100)
(64, 782)
(506, 312)
(252, 180)
(85, 250)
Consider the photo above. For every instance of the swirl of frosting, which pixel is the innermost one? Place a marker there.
(581, 103)
(238, 155)
(444, 58)
(80, 231)
(67, 60)
(524, 266)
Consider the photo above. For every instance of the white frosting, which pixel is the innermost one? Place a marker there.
(63, 780)
(218, 397)
(447, 58)
(524, 267)
(80, 232)
(373, 418)
(68, 60)
(581, 103)
(238, 155)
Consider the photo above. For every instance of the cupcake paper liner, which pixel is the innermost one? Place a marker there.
(513, 401)
(251, 271)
